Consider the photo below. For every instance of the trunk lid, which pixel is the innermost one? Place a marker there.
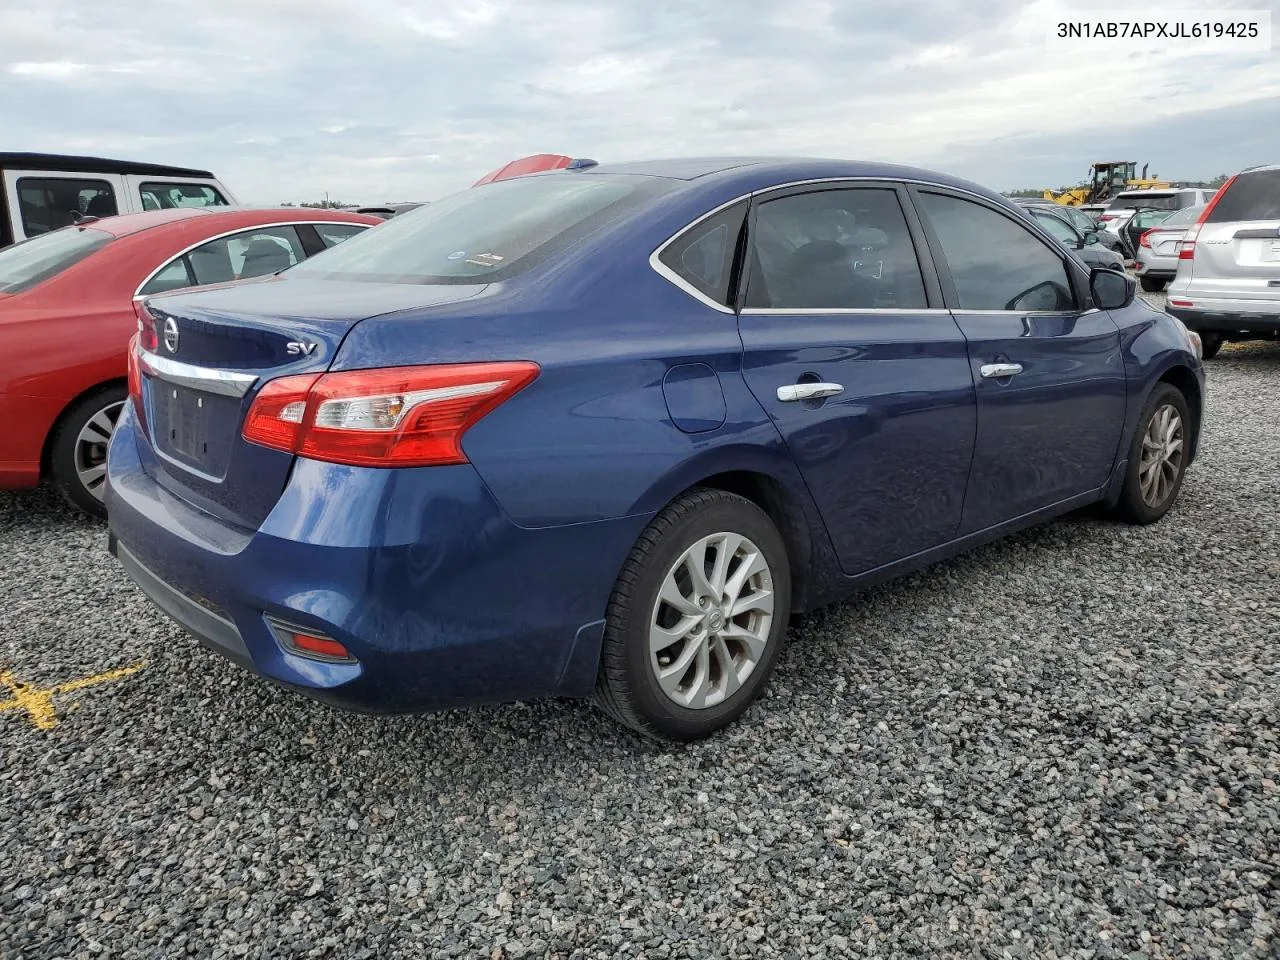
(215, 349)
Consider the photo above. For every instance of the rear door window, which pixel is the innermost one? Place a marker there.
(251, 253)
(841, 249)
(168, 196)
(175, 275)
(33, 261)
(702, 257)
(50, 203)
(241, 256)
(1251, 196)
(332, 234)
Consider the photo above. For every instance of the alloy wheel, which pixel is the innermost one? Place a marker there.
(1163, 449)
(91, 448)
(711, 622)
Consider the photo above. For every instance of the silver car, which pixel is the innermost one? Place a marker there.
(1157, 259)
(1123, 205)
(1228, 282)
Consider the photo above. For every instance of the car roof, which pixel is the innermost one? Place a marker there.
(131, 223)
(759, 173)
(76, 164)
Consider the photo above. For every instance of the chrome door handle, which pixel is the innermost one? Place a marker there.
(998, 370)
(809, 391)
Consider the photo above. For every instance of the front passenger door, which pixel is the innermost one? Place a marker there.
(1049, 372)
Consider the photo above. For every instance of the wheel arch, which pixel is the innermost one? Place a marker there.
(46, 450)
(765, 474)
(1185, 382)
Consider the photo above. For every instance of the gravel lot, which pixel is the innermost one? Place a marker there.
(1063, 745)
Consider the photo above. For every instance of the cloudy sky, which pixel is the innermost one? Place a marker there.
(384, 100)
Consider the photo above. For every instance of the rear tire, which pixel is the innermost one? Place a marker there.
(1152, 284)
(725, 627)
(1157, 457)
(78, 453)
(1210, 344)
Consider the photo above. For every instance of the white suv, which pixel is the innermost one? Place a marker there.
(40, 192)
(1228, 282)
(1123, 204)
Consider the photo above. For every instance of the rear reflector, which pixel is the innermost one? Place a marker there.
(310, 643)
(319, 646)
(390, 417)
(1181, 303)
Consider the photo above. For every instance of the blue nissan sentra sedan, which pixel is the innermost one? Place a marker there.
(599, 432)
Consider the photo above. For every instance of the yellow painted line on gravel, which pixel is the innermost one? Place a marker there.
(38, 701)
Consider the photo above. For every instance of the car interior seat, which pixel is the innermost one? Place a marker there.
(102, 205)
(263, 257)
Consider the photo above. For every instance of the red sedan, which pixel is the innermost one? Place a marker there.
(67, 313)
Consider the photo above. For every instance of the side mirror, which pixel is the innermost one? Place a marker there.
(1111, 289)
(1091, 238)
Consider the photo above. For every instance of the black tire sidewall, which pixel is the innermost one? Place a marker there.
(62, 450)
(729, 514)
(1134, 507)
(1210, 344)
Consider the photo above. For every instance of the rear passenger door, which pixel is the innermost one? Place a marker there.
(41, 200)
(1050, 379)
(848, 348)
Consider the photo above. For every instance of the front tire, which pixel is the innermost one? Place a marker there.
(697, 618)
(1157, 457)
(78, 453)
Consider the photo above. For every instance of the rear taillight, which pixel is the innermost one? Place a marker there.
(391, 417)
(1187, 245)
(135, 377)
(148, 337)
(275, 419)
(1145, 239)
(1105, 217)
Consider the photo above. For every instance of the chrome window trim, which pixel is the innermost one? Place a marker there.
(864, 311)
(226, 383)
(852, 311)
(137, 294)
(675, 279)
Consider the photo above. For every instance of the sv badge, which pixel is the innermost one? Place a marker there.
(299, 348)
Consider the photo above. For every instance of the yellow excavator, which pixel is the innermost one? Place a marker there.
(1106, 179)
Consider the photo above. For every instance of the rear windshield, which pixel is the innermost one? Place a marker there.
(1154, 201)
(1252, 196)
(485, 234)
(1184, 216)
(33, 261)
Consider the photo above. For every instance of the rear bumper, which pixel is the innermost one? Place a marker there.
(441, 599)
(1229, 316)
